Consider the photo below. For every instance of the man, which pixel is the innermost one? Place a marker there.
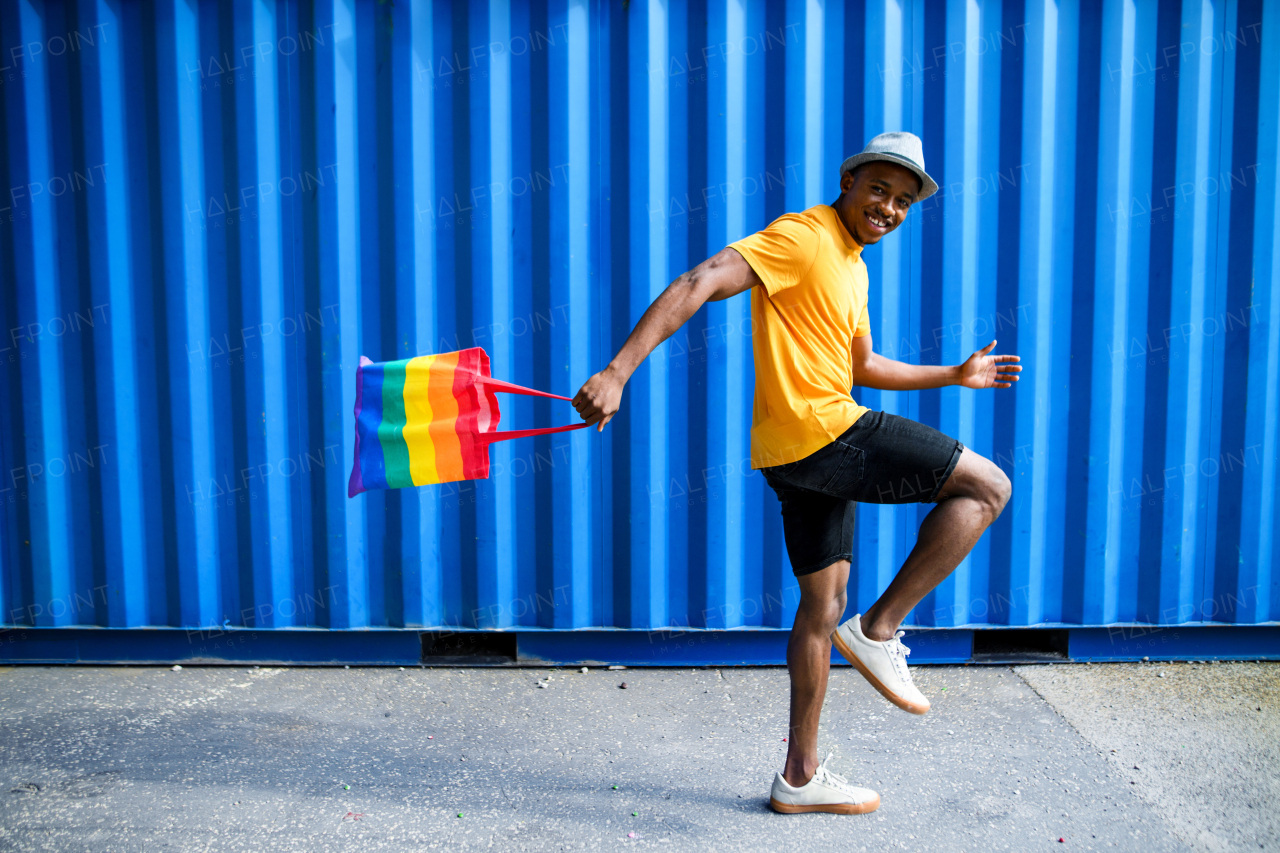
(822, 452)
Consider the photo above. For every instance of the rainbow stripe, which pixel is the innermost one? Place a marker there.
(429, 420)
(418, 420)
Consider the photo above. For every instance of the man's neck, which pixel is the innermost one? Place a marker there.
(853, 235)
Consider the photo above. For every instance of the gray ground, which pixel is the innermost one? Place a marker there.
(220, 758)
(1200, 742)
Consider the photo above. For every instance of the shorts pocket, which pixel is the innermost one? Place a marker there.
(848, 474)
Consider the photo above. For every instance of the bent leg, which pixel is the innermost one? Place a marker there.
(822, 603)
(970, 500)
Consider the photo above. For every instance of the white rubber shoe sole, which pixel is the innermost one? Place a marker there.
(830, 808)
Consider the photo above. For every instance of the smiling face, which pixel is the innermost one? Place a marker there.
(874, 199)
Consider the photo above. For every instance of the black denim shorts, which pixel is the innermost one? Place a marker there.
(881, 459)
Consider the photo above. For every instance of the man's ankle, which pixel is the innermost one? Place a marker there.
(874, 629)
(798, 776)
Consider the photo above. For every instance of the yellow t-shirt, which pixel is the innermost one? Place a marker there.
(813, 304)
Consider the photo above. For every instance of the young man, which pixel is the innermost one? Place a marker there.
(822, 452)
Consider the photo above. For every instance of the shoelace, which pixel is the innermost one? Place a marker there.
(898, 654)
(835, 780)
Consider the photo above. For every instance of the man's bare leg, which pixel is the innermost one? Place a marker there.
(969, 502)
(822, 603)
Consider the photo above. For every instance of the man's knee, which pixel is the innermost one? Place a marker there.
(826, 612)
(983, 481)
(998, 491)
(837, 610)
(823, 597)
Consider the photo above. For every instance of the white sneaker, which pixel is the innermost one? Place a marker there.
(882, 664)
(825, 792)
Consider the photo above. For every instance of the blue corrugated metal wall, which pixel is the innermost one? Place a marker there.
(213, 209)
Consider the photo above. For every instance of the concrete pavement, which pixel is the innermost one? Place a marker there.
(1200, 742)
(277, 759)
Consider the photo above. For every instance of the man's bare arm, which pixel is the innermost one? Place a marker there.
(980, 370)
(722, 275)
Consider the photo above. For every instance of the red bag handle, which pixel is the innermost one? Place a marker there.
(491, 437)
(499, 385)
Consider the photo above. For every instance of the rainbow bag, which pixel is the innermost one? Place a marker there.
(429, 420)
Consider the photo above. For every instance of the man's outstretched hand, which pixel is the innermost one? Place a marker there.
(599, 398)
(982, 370)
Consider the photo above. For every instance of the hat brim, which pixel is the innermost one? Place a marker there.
(927, 185)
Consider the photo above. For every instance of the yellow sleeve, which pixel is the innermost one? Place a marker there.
(864, 324)
(781, 254)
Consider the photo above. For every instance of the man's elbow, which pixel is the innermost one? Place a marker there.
(863, 372)
(694, 286)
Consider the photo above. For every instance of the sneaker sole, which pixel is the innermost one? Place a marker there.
(904, 704)
(830, 808)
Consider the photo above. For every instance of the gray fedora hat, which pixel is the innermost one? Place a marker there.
(899, 147)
